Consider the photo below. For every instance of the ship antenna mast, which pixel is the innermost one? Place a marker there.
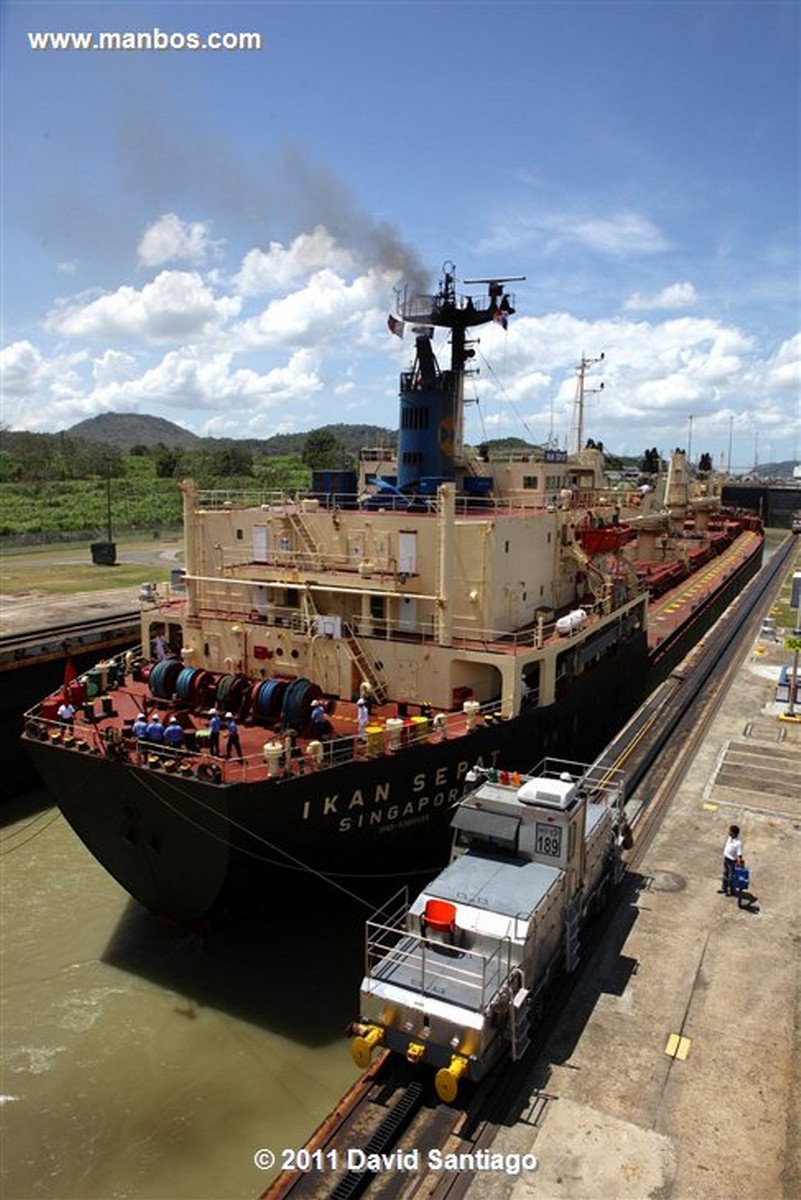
(581, 392)
(448, 310)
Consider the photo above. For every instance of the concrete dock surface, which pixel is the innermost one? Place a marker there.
(22, 615)
(676, 1071)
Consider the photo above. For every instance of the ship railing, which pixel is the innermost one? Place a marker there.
(302, 560)
(217, 604)
(88, 734)
(516, 501)
(392, 736)
(91, 731)
(211, 499)
(398, 955)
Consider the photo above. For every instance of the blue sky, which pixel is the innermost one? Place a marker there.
(215, 237)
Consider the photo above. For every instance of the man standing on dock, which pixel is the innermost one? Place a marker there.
(732, 856)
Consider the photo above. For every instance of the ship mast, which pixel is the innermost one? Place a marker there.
(581, 392)
(432, 402)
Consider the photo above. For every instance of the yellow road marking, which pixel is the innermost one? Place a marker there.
(677, 1047)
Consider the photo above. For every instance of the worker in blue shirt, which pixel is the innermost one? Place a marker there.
(155, 730)
(215, 725)
(174, 734)
(233, 737)
(321, 726)
(139, 730)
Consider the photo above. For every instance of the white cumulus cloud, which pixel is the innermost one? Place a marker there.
(169, 239)
(317, 312)
(21, 366)
(280, 267)
(623, 233)
(113, 366)
(676, 295)
(175, 306)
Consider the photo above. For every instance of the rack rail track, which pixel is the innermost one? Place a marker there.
(393, 1106)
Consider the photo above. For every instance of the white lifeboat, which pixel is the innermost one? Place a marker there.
(570, 623)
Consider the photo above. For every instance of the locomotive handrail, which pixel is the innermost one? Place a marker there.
(390, 948)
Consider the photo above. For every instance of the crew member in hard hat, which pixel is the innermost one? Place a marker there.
(232, 745)
(321, 726)
(363, 714)
(174, 734)
(215, 725)
(139, 730)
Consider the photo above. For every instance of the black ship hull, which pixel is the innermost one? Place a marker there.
(186, 848)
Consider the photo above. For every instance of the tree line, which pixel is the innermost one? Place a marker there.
(30, 458)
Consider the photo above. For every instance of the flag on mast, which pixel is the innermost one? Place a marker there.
(70, 675)
(395, 326)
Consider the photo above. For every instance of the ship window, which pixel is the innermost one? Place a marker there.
(530, 481)
(377, 608)
(239, 535)
(506, 547)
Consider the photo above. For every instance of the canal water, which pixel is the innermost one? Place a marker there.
(148, 1062)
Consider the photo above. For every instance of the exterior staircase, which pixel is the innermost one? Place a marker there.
(355, 648)
(365, 664)
(310, 547)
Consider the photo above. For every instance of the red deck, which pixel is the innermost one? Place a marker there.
(103, 724)
(676, 606)
(104, 718)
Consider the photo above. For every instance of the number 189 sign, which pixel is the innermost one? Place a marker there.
(549, 840)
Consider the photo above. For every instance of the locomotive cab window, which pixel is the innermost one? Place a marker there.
(475, 829)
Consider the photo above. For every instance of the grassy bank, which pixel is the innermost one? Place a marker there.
(58, 569)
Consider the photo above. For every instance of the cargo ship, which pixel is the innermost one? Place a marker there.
(374, 639)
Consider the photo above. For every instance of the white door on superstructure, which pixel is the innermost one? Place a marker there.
(407, 553)
(260, 599)
(407, 614)
(260, 543)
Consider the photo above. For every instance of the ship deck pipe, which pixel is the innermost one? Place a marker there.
(235, 581)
